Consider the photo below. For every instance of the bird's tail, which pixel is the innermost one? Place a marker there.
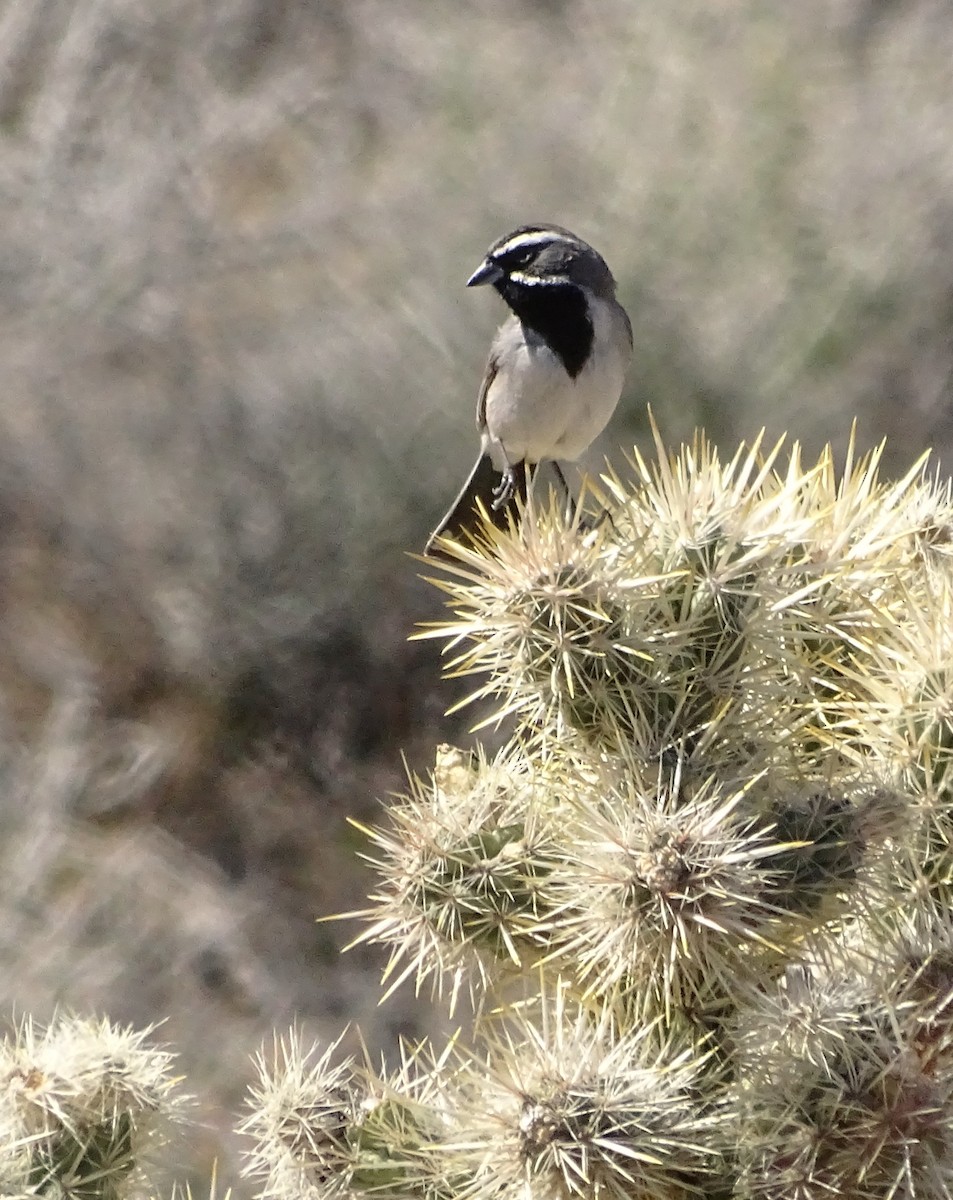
(462, 521)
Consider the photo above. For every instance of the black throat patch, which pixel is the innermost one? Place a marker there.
(558, 312)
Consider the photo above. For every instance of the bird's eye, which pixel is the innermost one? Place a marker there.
(522, 258)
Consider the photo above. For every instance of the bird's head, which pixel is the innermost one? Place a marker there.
(535, 256)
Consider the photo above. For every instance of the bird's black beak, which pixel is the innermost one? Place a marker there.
(486, 272)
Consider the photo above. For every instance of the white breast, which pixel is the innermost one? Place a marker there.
(535, 410)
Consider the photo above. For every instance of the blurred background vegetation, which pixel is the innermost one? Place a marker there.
(239, 369)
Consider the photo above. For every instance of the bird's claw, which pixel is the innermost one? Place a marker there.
(503, 492)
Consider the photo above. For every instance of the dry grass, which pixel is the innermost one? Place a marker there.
(238, 372)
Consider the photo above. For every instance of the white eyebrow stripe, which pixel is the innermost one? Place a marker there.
(526, 241)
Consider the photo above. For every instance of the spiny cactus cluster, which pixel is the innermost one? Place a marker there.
(694, 916)
(83, 1106)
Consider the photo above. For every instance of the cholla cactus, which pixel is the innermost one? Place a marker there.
(84, 1104)
(325, 1130)
(700, 899)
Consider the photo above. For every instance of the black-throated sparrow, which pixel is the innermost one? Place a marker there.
(556, 365)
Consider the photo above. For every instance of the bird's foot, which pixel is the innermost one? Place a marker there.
(503, 492)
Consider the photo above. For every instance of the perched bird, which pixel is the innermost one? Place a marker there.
(555, 370)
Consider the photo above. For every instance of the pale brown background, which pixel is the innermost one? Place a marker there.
(237, 375)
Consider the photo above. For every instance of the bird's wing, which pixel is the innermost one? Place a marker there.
(492, 369)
